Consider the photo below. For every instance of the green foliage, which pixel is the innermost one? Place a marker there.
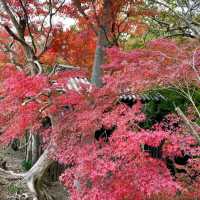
(14, 188)
(26, 165)
(157, 110)
(134, 42)
(196, 97)
(170, 21)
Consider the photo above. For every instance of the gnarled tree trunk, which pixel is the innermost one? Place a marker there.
(34, 177)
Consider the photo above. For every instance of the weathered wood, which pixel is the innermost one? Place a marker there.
(34, 177)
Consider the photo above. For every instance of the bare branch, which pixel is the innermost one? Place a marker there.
(77, 3)
(15, 37)
(12, 17)
(10, 175)
(28, 26)
(57, 67)
(46, 93)
(185, 14)
(188, 124)
(194, 67)
(50, 24)
(39, 66)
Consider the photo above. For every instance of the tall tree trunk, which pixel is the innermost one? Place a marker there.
(28, 151)
(35, 148)
(102, 43)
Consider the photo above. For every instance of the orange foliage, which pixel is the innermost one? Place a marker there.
(49, 57)
(76, 48)
(3, 58)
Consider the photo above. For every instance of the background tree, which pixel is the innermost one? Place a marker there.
(176, 18)
(69, 45)
(110, 20)
(20, 20)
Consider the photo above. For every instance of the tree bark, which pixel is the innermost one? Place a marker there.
(35, 148)
(28, 156)
(102, 43)
(34, 177)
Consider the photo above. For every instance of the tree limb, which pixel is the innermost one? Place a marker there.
(28, 26)
(12, 17)
(188, 124)
(15, 37)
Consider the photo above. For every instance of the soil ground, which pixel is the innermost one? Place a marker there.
(15, 190)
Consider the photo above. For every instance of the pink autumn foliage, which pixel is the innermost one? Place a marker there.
(115, 166)
(160, 63)
(119, 170)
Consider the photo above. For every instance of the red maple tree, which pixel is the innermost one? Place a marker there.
(112, 165)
